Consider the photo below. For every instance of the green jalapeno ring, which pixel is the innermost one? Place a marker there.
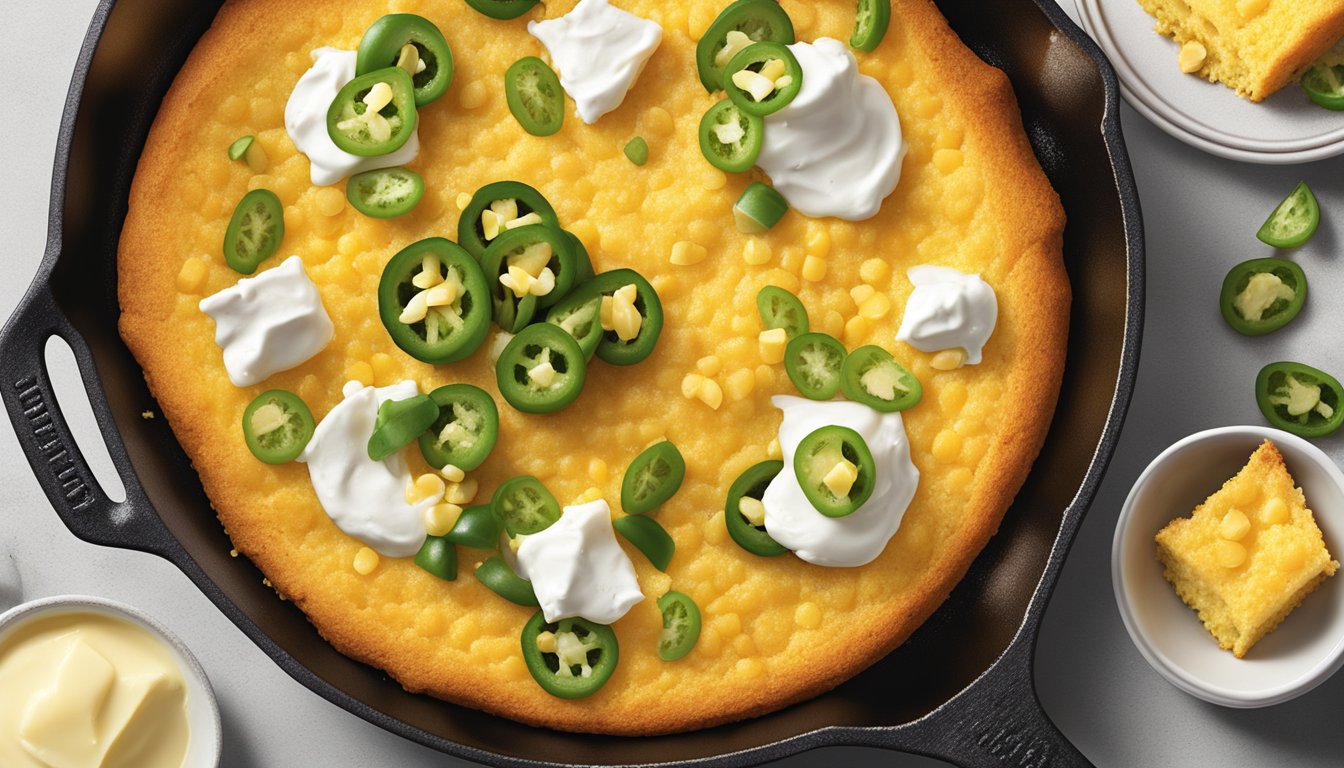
(382, 44)
(499, 578)
(534, 96)
(871, 19)
(611, 349)
(583, 262)
(255, 231)
(752, 59)
(737, 151)
(1293, 221)
(385, 193)
(1271, 317)
(780, 309)
(477, 527)
(400, 423)
(502, 10)
(872, 376)
(814, 362)
(513, 243)
(1324, 84)
(525, 506)
(277, 426)
(579, 315)
(751, 484)
(471, 233)
(570, 678)
(541, 370)
(467, 445)
(681, 625)
(353, 129)
(446, 334)
(757, 19)
(1284, 387)
(438, 556)
(819, 453)
(652, 478)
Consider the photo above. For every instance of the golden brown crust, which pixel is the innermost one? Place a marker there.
(1298, 57)
(1028, 230)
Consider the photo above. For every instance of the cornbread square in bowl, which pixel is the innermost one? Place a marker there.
(1308, 646)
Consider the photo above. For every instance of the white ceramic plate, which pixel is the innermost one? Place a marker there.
(1285, 128)
(1306, 649)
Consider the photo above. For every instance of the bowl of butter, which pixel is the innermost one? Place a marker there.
(86, 681)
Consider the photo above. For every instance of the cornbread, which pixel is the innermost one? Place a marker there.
(776, 630)
(1254, 47)
(1248, 555)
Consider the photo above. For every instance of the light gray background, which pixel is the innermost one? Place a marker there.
(1201, 214)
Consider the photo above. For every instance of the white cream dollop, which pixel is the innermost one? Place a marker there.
(365, 498)
(857, 538)
(600, 51)
(577, 568)
(269, 323)
(948, 309)
(836, 149)
(306, 121)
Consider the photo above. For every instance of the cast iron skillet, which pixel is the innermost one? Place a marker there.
(960, 689)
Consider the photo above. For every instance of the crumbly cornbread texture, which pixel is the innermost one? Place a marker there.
(776, 630)
(1255, 47)
(1248, 555)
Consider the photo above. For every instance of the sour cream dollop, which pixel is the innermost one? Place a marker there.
(577, 568)
(365, 498)
(600, 51)
(948, 309)
(836, 149)
(269, 323)
(306, 121)
(858, 538)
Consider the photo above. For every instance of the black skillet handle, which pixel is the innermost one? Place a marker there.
(45, 437)
(997, 721)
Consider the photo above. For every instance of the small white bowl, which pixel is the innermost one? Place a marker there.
(205, 743)
(1306, 648)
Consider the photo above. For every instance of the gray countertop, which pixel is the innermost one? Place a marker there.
(1200, 214)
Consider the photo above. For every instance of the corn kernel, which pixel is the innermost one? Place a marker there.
(950, 137)
(861, 293)
(1249, 9)
(192, 275)
(691, 385)
(952, 398)
(841, 477)
(833, 323)
(1275, 512)
(948, 360)
(360, 371)
(522, 221)
(440, 518)
(874, 271)
(1191, 60)
(542, 374)
(807, 615)
(329, 201)
(416, 309)
(452, 473)
(773, 450)
(1234, 526)
(771, 344)
(814, 269)
(710, 393)
(856, 330)
(491, 224)
(753, 510)
(875, 307)
(947, 160)
(709, 365)
(463, 200)
(740, 383)
(366, 561)
(473, 95)
(756, 252)
(625, 318)
(589, 495)
(384, 366)
(546, 642)
(1228, 554)
(947, 446)
(686, 253)
(1294, 557)
(765, 376)
(463, 492)
(426, 486)
(1244, 495)
(818, 241)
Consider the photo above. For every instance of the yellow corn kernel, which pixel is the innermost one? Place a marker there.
(329, 201)
(1275, 512)
(841, 477)
(818, 242)
(1249, 9)
(1228, 554)
(1191, 60)
(774, 69)
(625, 319)
(523, 221)
(442, 295)
(750, 669)
(710, 393)
(950, 137)
(874, 271)
(592, 494)
(752, 509)
(463, 200)
(765, 376)
(379, 96)
(807, 615)
(604, 313)
(440, 518)
(546, 642)
(360, 371)
(740, 383)
(429, 275)
(192, 275)
(947, 160)
(691, 384)
(756, 252)
(875, 307)
(773, 450)
(861, 293)
(384, 366)
(947, 446)
(948, 360)
(452, 473)
(686, 253)
(814, 269)
(833, 323)
(952, 398)
(366, 561)
(415, 309)
(598, 471)
(463, 492)
(516, 280)
(771, 344)
(426, 486)
(542, 374)
(473, 95)
(491, 224)
(1234, 526)
(734, 42)
(754, 83)
(856, 330)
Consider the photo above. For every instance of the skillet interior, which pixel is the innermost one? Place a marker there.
(1063, 100)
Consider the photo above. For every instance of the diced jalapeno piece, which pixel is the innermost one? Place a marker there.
(835, 469)
(652, 478)
(277, 426)
(373, 114)
(571, 658)
(637, 151)
(1294, 221)
(498, 207)
(780, 309)
(248, 149)
(731, 139)
(466, 428)
(617, 347)
(255, 231)
(813, 362)
(579, 314)
(1262, 295)
(499, 578)
(439, 557)
(681, 625)
(1300, 399)
(759, 209)
(529, 269)
(502, 9)
(430, 59)
(535, 97)
(744, 514)
(477, 527)
(541, 370)
(1324, 84)
(399, 423)
(385, 193)
(648, 537)
(763, 78)
(525, 506)
(872, 376)
(434, 301)
(871, 19)
(753, 21)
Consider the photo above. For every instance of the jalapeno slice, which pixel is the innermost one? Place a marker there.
(648, 537)
(494, 208)
(731, 139)
(439, 557)
(384, 45)
(399, 423)
(277, 425)
(743, 513)
(529, 268)
(465, 430)
(434, 301)
(780, 309)
(872, 376)
(763, 78)
(541, 370)
(499, 578)
(525, 506)
(759, 209)
(618, 346)
(756, 19)
(477, 527)
(255, 231)
(1294, 221)
(373, 114)
(652, 478)
(1300, 399)
(579, 315)
(535, 97)
(1324, 84)
(871, 19)
(385, 193)
(582, 261)
(813, 362)
(248, 149)
(1262, 295)
(681, 625)
(502, 9)
(835, 469)
(570, 658)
